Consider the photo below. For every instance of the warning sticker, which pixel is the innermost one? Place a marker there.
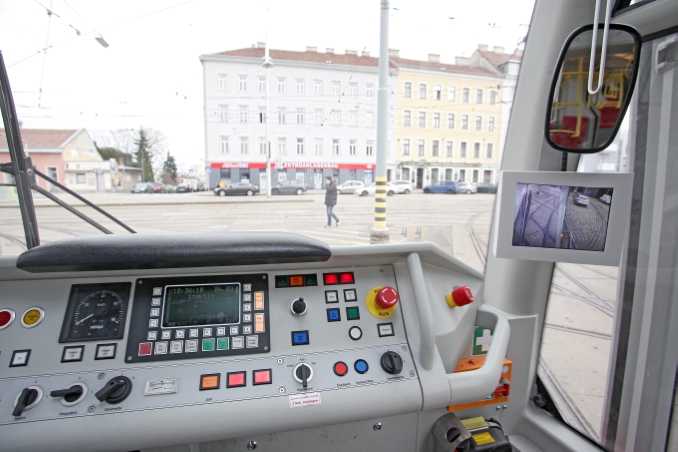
(300, 400)
(483, 438)
(474, 423)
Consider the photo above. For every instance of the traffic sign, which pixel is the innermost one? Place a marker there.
(95, 170)
(208, 170)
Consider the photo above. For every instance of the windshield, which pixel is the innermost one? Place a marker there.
(120, 94)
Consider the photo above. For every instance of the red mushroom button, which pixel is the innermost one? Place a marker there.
(387, 297)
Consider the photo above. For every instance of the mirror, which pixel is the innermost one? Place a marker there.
(577, 121)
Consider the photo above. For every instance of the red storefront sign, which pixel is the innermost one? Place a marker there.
(294, 165)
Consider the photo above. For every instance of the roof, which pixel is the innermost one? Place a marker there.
(434, 66)
(497, 59)
(307, 57)
(41, 138)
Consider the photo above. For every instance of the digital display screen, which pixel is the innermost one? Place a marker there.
(561, 216)
(196, 305)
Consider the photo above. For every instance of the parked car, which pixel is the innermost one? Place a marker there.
(170, 188)
(443, 186)
(350, 186)
(581, 200)
(607, 199)
(466, 187)
(372, 189)
(290, 187)
(143, 187)
(237, 188)
(402, 186)
(184, 188)
(158, 187)
(486, 188)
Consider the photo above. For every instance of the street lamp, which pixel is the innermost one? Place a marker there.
(268, 64)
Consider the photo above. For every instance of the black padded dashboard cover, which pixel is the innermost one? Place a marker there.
(172, 250)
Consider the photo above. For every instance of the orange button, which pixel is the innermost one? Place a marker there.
(259, 301)
(210, 381)
(296, 281)
(259, 323)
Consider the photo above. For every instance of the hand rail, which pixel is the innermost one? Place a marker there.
(603, 53)
(427, 349)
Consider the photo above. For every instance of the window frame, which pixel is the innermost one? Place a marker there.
(219, 82)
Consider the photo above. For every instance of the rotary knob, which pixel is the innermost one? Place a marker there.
(386, 298)
(392, 363)
(303, 373)
(116, 390)
(299, 306)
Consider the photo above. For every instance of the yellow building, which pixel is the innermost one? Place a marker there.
(447, 121)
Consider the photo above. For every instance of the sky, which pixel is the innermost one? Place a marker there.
(150, 75)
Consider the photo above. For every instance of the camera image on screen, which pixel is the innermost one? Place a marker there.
(561, 216)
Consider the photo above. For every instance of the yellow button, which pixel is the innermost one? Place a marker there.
(32, 317)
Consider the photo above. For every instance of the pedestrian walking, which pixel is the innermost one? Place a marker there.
(330, 201)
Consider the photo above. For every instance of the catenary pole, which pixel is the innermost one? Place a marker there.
(379, 232)
(268, 65)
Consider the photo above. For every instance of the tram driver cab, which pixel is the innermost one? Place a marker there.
(274, 341)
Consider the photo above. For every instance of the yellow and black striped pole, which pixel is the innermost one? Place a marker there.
(379, 233)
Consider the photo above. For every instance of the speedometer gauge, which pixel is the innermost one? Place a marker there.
(96, 312)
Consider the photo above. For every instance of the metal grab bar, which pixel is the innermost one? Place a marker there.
(427, 350)
(603, 53)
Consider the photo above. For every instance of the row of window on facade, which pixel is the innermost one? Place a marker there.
(449, 149)
(299, 86)
(441, 174)
(299, 146)
(299, 116)
(437, 93)
(451, 121)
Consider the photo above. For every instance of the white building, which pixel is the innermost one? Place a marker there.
(323, 115)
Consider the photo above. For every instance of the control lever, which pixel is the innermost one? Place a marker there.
(27, 397)
(116, 390)
(69, 394)
(298, 306)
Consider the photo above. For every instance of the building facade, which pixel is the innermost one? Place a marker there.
(448, 121)
(322, 116)
(86, 170)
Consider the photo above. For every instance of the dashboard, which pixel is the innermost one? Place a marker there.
(138, 358)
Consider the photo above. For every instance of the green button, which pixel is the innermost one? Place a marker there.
(207, 345)
(222, 343)
(282, 281)
(311, 280)
(353, 313)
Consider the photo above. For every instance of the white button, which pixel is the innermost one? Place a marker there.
(234, 330)
(160, 348)
(157, 291)
(247, 317)
(191, 345)
(105, 351)
(176, 346)
(247, 329)
(246, 287)
(179, 334)
(237, 342)
(385, 329)
(152, 335)
(331, 296)
(206, 332)
(21, 358)
(221, 331)
(153, 323)
(155, 302)
(247, 297)
(252, 341)
(155, 312)
(247, 307)
(193, 332)
(349, 295)
(167, 334)
(355, 333)
(72, 354)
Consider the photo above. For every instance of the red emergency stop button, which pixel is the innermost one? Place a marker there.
(6, 317)
(340, 368)
(460, 296)
(386, 298)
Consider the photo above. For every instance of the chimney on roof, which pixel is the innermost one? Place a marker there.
(351, 52)
(482, 47)
(394, 53)
(366, 53)
(462, 61)
(261, 45)
(497, 49)
(433, 58)
(311, 49)
(329, 50)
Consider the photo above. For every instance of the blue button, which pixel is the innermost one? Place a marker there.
(361, 366)
(300, 337)
(333, 315)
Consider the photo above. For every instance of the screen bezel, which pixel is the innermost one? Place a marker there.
(165, 305)
(618, 220)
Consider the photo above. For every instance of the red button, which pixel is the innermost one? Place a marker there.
(262, 377)
(5, 317)
(346, 278)
(462, 296)
(340, 368)
(145, 348)
(331, 278)
(235, 379)
(387, 297)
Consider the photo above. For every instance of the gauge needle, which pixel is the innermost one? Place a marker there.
(80, 322)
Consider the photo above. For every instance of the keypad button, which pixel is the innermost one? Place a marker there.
(179, 334)
(259, 301)
(176, 346)
(237, 342)
(259, 323)
(247, 287)
(247, 297)
(155, 312)
(222, 343)
(153, 323)
(252, 341)
(247, 329)
(193, 332)
(191, 345)
(145, 348)
(167, 334)
(152, 335)
(207, 345)
(246, 307)
(221, 331)
(157, 291)
(160, 348)
(206, 332)
(155, 302)
(234, 330)
(247, 317)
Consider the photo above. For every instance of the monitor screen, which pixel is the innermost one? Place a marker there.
(561, 216)
(202, 304)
